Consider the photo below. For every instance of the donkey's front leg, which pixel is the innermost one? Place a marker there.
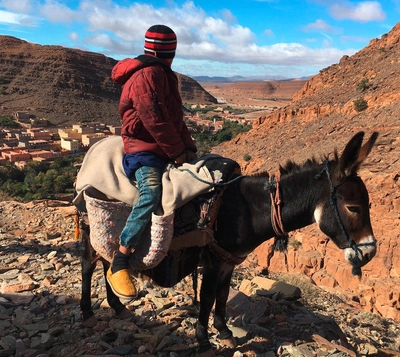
(207, 299)
(223, 285)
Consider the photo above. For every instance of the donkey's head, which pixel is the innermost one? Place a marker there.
(344, 216)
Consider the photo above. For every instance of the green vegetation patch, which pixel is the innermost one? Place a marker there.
(6, 120)
(363, 85)
(4, 81)
(205, 141)
(360, 104)
(38, 180)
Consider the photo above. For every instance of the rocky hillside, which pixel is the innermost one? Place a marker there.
(40, 288)
(322, 117)
(66, 85)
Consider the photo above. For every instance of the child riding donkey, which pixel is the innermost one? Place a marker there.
(154, 133)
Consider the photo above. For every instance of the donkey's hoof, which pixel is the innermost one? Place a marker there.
(125, 314)
(90, 322)
(208, 353)
(229, 342)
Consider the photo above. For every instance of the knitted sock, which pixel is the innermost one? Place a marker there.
(121, 261)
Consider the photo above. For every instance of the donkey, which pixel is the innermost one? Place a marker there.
(254, 209)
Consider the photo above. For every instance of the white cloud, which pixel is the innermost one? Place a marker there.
(228, 16)
(321, 25)
(118, 31)
(56, 12)
(9, 17)
(112, 46)
(363, 12)
(353, 39)
(74, 36)
(281, 54)
(200, 37)
(12, 18)
(269, 33)
(20, 6)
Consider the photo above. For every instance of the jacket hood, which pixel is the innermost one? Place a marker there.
(124, 69)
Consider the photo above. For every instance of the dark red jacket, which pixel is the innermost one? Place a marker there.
(151, 108)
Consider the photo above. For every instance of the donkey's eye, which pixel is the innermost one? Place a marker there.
(354, 209)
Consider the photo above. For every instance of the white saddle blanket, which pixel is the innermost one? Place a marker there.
(102, 176)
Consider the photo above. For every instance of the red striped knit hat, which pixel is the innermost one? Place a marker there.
(160, 41)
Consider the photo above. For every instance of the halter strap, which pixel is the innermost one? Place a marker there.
(356, 262)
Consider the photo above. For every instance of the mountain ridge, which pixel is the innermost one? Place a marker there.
(235, 79)
(67, 86)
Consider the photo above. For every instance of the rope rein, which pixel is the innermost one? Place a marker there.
(213, 184)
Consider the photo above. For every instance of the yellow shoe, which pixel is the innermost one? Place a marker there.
(121, 284)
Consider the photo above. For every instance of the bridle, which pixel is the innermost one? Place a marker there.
(355, 261)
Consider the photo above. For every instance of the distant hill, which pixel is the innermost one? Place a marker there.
(259, 90)
(66, 85)
(235, 79)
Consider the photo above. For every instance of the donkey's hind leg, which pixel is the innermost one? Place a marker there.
(87, 269)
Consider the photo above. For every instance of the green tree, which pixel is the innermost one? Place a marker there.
(60, 184)
(6, 120)
(224, 135)
(10, 171)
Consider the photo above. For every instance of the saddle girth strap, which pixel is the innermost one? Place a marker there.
(216, 249)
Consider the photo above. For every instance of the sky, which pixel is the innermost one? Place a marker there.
(250, 38)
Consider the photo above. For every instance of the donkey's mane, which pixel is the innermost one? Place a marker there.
(291, 167)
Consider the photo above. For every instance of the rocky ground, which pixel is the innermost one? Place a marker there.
(40, 315)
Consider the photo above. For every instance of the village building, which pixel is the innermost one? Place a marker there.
(90, 139)
(38, 133)
(71, 145)
(34, 142)
(16, 155)
(69, 133)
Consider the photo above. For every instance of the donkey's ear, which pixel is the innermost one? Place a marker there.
(354, 154)
(364, 151)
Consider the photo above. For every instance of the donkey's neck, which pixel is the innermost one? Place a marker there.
(299, 194)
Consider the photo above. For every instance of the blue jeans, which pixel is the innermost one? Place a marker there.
(149, 185)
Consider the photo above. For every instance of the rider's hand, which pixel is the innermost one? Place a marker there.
(181, 159)
(190, 155)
